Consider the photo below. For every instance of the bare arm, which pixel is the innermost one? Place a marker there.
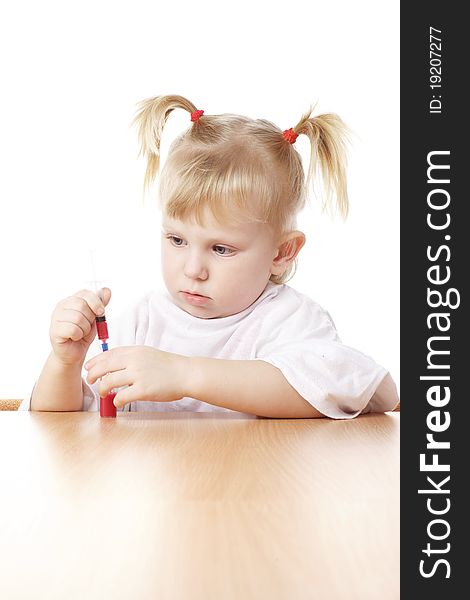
(59, 387)
(249, 386)
(145, 373)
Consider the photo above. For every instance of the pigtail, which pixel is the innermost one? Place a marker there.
(328, 136)
(151, 119)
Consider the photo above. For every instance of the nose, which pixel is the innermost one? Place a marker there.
(194, 267)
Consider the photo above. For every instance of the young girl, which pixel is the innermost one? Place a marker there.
(228, 335)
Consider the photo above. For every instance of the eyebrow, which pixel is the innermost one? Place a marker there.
(211, 241)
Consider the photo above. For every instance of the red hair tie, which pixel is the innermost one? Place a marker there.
(196, 114)
(290, 135)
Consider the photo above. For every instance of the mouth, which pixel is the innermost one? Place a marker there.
(194, 298)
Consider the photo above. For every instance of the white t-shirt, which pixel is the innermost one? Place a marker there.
(282, 327)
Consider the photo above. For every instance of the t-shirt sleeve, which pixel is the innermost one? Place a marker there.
(300, 339)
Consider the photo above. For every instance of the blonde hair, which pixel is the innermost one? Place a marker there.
(242, 168)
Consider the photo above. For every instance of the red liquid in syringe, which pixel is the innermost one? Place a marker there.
(102, 330)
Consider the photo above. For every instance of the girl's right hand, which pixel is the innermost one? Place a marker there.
(73, 325)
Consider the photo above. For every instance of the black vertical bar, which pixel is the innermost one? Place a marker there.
(435, 271)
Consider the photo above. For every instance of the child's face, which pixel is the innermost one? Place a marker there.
(228, 265)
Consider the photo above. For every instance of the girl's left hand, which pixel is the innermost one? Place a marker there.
(151, 374)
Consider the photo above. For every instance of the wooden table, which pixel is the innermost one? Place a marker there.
(198, 506)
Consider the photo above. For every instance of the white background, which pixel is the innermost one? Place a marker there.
(71, 180)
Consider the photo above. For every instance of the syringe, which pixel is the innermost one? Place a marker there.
(107, 408)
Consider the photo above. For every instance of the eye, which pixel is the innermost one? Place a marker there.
(175, 240)
(223, 250)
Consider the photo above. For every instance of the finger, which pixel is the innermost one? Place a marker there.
(68, 331)
(107, 362)
(113, 380)
(118, 357)
(70, 315)
(93, 300)
(124, 396)
(105, 295)
(79, 304)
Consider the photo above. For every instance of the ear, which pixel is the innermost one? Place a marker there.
(289, 246)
